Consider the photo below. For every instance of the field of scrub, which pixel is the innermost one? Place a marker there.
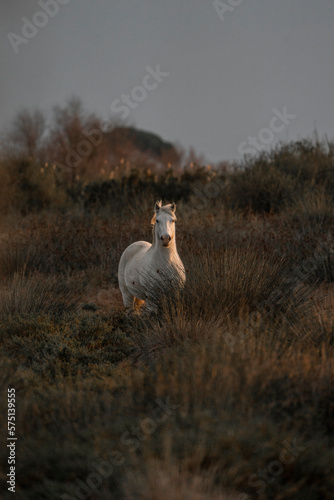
(226, 393)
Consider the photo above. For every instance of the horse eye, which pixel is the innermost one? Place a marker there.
(157, 222)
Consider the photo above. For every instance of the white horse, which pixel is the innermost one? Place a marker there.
(145, 268)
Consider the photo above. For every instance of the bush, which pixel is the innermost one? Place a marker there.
(28, 186)
(271, 181)
(136, 187)
(261, 188)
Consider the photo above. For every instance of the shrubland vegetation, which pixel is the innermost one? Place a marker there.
(243, 357)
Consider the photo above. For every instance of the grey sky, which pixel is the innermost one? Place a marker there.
(225, 76)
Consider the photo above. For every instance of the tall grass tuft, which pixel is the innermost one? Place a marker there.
(234, 286)
(36, 295)
(19, 259)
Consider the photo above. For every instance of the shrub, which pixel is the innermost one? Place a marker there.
(273, 180)
(116, 194)
(28, 186)
(260, 188)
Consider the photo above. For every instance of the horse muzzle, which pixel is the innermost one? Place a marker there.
(165, 239)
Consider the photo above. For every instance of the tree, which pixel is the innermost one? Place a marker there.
(75, 140)
(25, 137)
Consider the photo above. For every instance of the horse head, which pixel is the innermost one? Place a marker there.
(164, 223)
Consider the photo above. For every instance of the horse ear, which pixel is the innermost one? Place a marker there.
(158, 205)
(173, 207)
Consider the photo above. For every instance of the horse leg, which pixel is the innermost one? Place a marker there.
(128, 299)
(137, 304)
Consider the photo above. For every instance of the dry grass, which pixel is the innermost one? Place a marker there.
(225, 288)
(38, 294)
(231, 412)
(162, 480)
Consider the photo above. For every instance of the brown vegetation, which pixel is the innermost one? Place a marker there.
(244, 356)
